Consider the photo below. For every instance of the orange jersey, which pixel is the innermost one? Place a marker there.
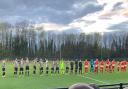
(96, 64)
(86, 64)
(113, 63)
(107, 63)
(122, 64)
(125, 63)
(102, 63)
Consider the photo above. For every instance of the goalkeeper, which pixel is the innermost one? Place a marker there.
(62, 66)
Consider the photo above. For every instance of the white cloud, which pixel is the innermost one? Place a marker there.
(51, 27)
(103, 19)
(99, 21)
(82, 5)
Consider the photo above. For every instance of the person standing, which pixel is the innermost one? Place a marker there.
(21, 67)
(113, 65)
(3, 68)
(57, 67)
(91, 65)
(102, 66)
(76, 66)
(80, 67)
(62, 66)
(86, 65)
(47, 68)
(67, 66)
(96, 66)
(34, 65)
(15, 67)
(27, 67)
(53, 67)
(71, 67)
(41, 66)
(118, 65)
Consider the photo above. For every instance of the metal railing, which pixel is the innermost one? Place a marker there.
(110, 86)
(114, 86)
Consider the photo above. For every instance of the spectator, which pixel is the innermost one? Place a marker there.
(81, 86)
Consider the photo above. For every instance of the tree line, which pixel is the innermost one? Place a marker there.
(24, 40)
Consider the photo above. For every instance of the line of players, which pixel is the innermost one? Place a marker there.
(108, 66)
(23, 67)
(65, 67)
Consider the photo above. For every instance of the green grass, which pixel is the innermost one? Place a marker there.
(54, 81)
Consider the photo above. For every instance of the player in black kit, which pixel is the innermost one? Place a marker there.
(80, 67)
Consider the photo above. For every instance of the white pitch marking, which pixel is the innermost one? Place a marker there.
(94, 79)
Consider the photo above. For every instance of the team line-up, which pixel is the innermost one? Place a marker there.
(21, 66)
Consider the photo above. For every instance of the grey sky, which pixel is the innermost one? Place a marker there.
(57, 11)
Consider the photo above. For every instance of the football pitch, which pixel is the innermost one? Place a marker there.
(52, 81)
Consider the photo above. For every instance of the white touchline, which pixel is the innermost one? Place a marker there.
(94, 79)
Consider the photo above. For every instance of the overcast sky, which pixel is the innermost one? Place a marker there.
(68, 14)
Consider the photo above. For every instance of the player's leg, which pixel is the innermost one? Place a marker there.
(40, 70)
(51, 70)
(14, 71)
(80, 70)
(75, 70)
(28, 70)
(102, 70)
(34, 69)
(85, 70)
(46, 70)
(96, 70)
(66, 70)
(22, 71)
(72, 70)
(3, 72)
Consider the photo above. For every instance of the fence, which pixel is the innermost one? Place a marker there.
(111, 86)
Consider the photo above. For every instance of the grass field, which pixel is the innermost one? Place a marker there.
(57, 80)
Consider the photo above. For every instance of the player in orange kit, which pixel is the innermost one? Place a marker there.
(125, 65)
(86, 65)
(107, 65)
(113, 65)
(122, 66)
(118, 66)
(101, 66)
(96, 66)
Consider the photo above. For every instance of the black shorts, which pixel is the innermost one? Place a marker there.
(41, 68)
(57, 68)
(27, 67)
(34, 67)
(67, 68)
(3, 69)
(16, 69)
(47, 68)
(21, 69)
(80, 68)
(71, 68)
(52, 68)
(76, 68)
